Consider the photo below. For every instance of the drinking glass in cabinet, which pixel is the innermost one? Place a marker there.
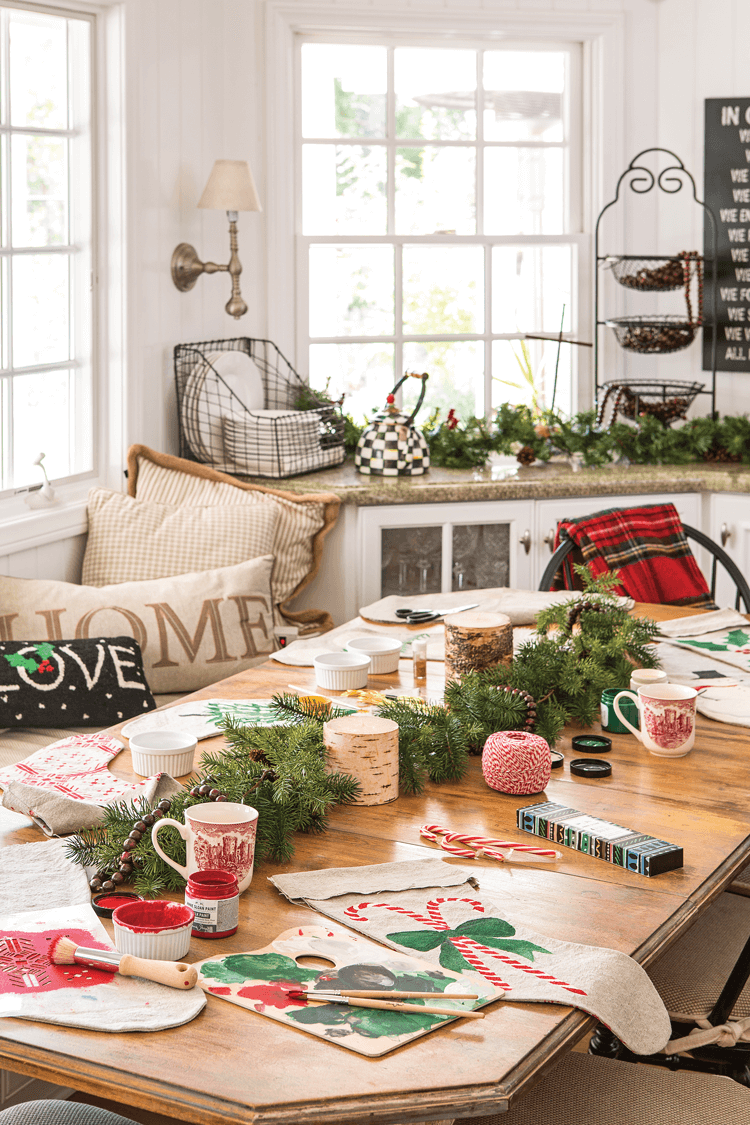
(411, 560)
(481, 556)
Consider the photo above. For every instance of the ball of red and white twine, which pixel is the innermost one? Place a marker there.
(474, 847)
(516, 762)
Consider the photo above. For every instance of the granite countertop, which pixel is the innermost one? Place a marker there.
(509, 481)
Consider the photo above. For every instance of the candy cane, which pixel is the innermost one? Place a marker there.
(472, 847)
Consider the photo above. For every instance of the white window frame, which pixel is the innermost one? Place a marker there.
(601, 35)
(571, 146)
(22, 529)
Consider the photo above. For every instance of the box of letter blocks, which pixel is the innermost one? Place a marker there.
(632, 850)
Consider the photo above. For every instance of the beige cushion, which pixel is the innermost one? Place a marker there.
(193, 629)
(304, 520)
(136, 540)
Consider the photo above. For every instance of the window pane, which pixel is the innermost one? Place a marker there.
(41, 331)
(523, 191)
(351, 291)
(343, 189)
(523, 95)
(41, 412)
(435, 190)
(38, 70)
(443, 289)
(343, 91)
(40, 197)
(362, 372)
(509, 384)
(530, 285)
(435, 94)
(456, 377)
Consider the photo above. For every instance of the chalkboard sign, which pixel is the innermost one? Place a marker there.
(727, 194)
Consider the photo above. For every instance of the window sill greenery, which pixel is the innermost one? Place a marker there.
(538, 436)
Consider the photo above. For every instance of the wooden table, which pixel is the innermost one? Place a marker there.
(231, 1065)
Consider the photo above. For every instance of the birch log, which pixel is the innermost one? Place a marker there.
(476, 640)
(365, 747)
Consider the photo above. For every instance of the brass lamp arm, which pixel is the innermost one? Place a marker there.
(187, 268)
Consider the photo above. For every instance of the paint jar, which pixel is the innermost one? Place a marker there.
(419, 659)
(214, 896)
(609, 719)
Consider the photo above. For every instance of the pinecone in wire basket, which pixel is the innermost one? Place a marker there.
(670, 275)
(653, 334)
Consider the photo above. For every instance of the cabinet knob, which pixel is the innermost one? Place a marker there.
(525, 541)
(549, 539)
(725, 534)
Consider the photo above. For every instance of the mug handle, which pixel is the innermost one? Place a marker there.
(184, 832)
(618, 712)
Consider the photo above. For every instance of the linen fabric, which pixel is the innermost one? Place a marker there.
(304, 521)
(135, 540)
(462, 929)
(193, 629)
(648, 547)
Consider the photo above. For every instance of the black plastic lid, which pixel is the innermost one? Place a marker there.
(591, 744)
(109, 896)
(557, 759)
(591, 767)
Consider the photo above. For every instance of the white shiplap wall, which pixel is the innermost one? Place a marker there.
(193, 87)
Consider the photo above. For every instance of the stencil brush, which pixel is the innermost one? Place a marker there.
(176, 974)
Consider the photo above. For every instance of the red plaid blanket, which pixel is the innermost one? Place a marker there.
(646, 545)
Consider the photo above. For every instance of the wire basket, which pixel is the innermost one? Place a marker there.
(650, 274)
(243, 409)
(653, 333)
(666, 401)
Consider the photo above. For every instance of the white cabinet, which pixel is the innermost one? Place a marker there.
(730, 526)
(436, 548)
(549, 512)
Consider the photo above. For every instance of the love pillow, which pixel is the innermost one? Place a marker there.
(95, 682)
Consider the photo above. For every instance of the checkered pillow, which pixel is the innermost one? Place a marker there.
(392, 447)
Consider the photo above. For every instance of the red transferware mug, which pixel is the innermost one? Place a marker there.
(667, 718)
(220, 835)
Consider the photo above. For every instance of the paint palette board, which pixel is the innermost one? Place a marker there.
(262, 979)
(201, 717)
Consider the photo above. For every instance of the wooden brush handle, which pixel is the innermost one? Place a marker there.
(416, 1009)
(174, 973)
(380, 994)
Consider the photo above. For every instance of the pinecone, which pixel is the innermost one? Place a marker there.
(721, 455)
(526, 455)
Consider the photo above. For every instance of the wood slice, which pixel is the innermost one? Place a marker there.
(476, 640)
(365, 747)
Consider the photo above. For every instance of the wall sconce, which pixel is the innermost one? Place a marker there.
(230, 188)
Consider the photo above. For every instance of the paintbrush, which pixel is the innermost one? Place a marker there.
(390, 994)
(387, 1006)
(176, 974)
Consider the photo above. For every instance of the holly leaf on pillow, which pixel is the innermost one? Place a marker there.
(16, 660)
(45, 650)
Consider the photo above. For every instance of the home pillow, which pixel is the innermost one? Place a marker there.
(193, 629)
(304, 520)
(136, 540)
(72, 683)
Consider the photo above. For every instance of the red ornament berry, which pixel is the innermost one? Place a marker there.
(390, 399)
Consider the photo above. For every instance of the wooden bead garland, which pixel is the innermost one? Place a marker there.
(516, 762)
(477, 640)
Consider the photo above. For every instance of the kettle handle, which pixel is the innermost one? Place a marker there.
(412, 375)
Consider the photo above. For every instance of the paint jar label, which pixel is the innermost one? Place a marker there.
(215, 916)
(604, 715)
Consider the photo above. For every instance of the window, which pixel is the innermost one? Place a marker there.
(46, 369)
(439, 195)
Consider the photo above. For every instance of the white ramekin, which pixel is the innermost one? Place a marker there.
(341, 671)
(153, 928)
(384, 653)
(162, 751)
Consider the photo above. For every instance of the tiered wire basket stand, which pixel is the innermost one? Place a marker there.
(656, 333)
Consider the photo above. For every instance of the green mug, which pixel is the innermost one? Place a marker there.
(610, 721)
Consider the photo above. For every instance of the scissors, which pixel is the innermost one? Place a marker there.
(421, 616)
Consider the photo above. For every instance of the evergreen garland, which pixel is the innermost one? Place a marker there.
(581, 647)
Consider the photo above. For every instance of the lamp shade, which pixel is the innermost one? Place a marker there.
(230, 187)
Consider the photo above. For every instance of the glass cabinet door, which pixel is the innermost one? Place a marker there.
(481, 556)
(411, 560)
